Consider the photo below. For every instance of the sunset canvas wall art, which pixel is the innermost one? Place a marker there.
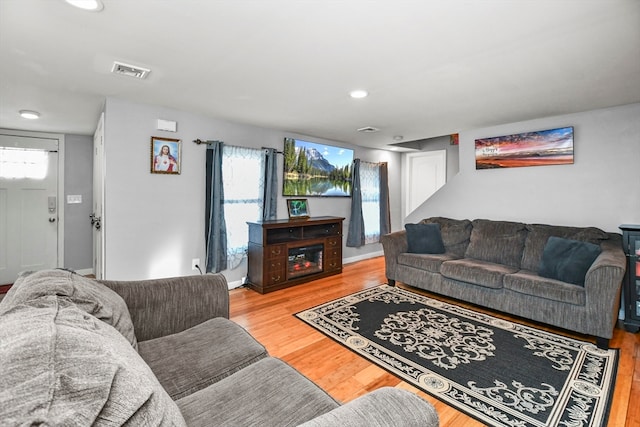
(539, 148)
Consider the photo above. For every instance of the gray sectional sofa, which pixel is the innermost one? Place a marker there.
(505, 265)
(78, 352)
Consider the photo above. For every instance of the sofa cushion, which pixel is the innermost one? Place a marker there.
(201, 355)
(90, 296)
(499, 242)
(61, 366)
(383, 407)
(530, 283)
(455, 233)
(266, 393)
(477, 272)
(567, 260)
(424, 239)
(428, 262)
(540, 233)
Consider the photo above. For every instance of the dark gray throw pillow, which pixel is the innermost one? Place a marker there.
(424, 239)
(567, 260)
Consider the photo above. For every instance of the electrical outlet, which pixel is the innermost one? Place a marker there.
(195, 263)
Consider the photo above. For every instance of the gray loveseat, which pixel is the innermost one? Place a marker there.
(75, 352)
(496, 264)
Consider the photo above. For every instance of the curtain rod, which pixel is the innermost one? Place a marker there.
(199, 141)
(277, 152)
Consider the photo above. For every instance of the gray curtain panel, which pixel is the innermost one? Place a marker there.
(270, 205)
(385, 214)
(355, 234)
(215, 227)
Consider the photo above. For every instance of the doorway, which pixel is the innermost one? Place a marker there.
(31, 212)
(425, 173)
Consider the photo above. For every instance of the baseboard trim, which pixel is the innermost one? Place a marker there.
(362, 257)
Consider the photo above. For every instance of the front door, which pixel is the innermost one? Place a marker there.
(29, 217)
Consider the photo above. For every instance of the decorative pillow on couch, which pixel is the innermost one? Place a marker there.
(89, 295)
(567, 260)
(424, 239)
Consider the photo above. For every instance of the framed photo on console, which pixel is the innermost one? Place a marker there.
(298, 208)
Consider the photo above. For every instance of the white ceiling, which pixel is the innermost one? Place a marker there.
(431, 67)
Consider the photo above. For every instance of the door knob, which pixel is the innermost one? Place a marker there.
(52, 220)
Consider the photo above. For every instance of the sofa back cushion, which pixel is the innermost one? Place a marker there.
(61, 366)
(87, 294)
(499, 242)
(455, 233)
(539, 235)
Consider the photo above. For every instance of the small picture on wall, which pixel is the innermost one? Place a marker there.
(165, 155)
(298, 208)
(539, 148)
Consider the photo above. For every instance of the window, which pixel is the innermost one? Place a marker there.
(23, 163)
(243, 181)
(370, 188)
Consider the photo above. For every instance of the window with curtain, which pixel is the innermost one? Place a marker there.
(243, 182)
(370, 189)
(370, 217)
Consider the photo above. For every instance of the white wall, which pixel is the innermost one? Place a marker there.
(78, 168)
(601, 188)
(154, 224)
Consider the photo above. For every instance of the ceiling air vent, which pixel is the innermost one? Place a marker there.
(368, 129)
(130, 70)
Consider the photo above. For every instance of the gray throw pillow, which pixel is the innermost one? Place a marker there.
(567, 260)
(424, 239)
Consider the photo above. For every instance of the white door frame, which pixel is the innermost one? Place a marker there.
(60, 190)
(98, 200)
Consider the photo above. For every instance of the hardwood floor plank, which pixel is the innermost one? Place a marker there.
(346, 376)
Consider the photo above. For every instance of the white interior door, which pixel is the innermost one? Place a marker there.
(426, 172)
(29, 206)
(98, 200)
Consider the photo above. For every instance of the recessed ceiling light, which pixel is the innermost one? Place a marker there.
(90, 5)
(28, 114)
(359, 93)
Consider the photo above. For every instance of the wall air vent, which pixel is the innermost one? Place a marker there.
(368, 129)
(130, 70)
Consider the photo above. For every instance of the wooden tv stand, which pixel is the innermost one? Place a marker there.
(284, 253)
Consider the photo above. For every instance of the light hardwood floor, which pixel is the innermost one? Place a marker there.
(345, 375)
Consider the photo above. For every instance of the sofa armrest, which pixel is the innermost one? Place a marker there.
(383, 407)
(160, 307)
(393, 244)
(603, 284)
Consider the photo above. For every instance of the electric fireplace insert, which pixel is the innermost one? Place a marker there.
(304, 260)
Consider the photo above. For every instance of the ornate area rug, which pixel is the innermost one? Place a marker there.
(499, 372)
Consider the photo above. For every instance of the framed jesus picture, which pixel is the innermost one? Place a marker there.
(166, 155)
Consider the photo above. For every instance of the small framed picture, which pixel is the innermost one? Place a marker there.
(298, 208)
(166, 155)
